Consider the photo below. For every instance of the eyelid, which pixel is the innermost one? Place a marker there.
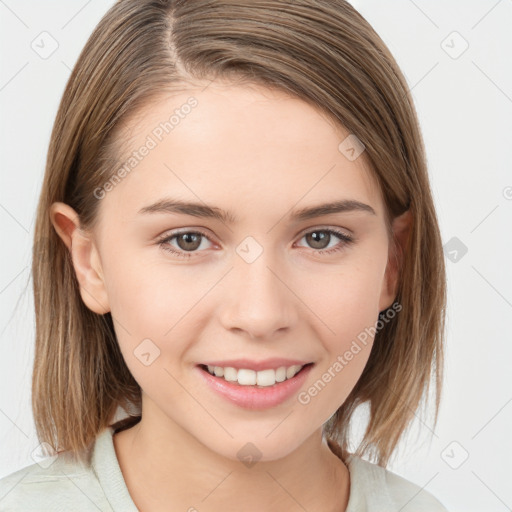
(345, 239)
(326, 227)
(178, 231)
(305, 231)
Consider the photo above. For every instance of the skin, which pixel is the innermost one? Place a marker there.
(260, 154)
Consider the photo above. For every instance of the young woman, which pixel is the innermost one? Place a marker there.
(236, 246)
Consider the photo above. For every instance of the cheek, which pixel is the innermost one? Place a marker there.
(355, 306)
(346, 352)
(347, 302)
(150, 296)
(154, 306)
(347, 298)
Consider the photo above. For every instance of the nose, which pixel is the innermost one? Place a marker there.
(257, 299)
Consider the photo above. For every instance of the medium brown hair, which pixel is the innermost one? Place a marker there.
(321, 51)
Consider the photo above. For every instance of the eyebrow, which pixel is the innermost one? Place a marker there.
(170, 205)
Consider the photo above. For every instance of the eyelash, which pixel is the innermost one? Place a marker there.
(346, 239)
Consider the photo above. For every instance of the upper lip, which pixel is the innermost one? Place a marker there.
(266, 364)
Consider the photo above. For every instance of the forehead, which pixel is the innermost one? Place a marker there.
(242, 146)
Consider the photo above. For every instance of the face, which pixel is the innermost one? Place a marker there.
(247, 278)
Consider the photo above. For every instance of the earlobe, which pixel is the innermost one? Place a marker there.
(401, 230)
(84, 256)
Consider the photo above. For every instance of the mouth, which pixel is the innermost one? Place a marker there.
(255, 389)
(256, 379)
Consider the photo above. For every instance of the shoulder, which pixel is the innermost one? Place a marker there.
(376, 489)
(55, 484)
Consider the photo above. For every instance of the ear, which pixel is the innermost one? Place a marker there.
(401, 228)
(84, 255)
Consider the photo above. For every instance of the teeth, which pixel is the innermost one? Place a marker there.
(281, 374)
(263, 378)
(230, 374)
(266, 377)
(247, 377)
(291, 371)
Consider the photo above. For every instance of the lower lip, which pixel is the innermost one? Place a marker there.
(252, 397)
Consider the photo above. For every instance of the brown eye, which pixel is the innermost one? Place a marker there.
(184, 244)
(189, 241)
(318, 239)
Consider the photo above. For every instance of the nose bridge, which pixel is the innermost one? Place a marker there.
(260, 303)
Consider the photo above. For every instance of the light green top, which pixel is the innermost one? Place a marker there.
(66, 486)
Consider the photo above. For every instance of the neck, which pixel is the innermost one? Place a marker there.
(165, 468)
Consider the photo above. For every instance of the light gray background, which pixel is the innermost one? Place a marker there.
(465, 105)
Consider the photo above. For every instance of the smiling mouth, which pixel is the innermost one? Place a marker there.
(252, 378)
